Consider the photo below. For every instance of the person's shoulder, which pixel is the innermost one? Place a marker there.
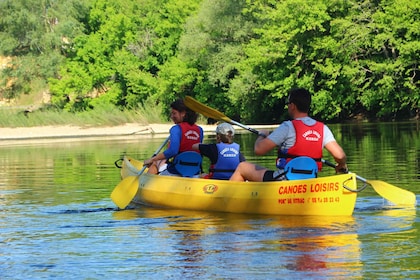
(194, 126)
(175, 128)
(308, 121)
(327, 129)
(285, 124)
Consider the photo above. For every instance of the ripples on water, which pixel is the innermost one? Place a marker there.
(94, 241)
(58, 222)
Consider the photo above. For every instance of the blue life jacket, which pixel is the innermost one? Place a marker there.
(301, 168)
(188, 164)
(227, 161)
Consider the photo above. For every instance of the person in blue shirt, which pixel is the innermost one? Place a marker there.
(224, 155)
(182, 136)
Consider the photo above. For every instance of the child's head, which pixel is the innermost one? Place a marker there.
(225, 133)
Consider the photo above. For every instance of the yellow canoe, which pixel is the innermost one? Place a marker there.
(326, 196)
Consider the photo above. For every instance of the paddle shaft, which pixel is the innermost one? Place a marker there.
(156, 152)
(333, 165)
(245, 127)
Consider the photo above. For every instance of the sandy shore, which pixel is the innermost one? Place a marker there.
(22, 133)
(76, 132)
(73, 133)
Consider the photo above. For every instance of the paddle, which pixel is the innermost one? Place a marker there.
(125, 191)
(213, 113)
(389, 192)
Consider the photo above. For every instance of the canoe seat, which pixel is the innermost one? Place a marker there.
(188, 164)
(301, 168)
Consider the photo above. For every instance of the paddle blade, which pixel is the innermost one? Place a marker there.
(204, 109)
(125, 191)
(392, 193)
(212, 113)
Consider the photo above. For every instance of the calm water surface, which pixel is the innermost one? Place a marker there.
(58, 222)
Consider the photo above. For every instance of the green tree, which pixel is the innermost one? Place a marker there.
(241, 57)
(355, 56)
(210, 50)
(121, 56)
(390, 70)
(36, 34)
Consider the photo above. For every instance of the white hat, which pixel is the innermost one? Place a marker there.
(225, 128)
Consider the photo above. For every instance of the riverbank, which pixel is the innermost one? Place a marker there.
(69, 133)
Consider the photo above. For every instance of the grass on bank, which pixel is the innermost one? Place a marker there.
(106, 116)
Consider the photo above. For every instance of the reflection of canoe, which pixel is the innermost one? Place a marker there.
(319, 196)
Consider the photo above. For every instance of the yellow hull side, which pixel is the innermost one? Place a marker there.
(324, 196)
(320, 196)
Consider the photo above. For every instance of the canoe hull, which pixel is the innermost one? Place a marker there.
(325, 196)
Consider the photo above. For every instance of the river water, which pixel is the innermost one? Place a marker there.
(58, 222)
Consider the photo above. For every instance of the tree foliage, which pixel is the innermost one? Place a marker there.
(36, 34)
(121, 55)
(238, 56)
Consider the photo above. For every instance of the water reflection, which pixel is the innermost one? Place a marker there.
(384, 151)
(321, 247)
(316, 247)
(388, 221)
(388, 237)
(311, 246)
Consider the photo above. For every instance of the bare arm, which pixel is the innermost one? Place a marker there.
(149, 161)
(195, 147)
(263, 145)
(339, 156)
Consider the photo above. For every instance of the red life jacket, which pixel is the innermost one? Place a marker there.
(190, 135)
(308, 143)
